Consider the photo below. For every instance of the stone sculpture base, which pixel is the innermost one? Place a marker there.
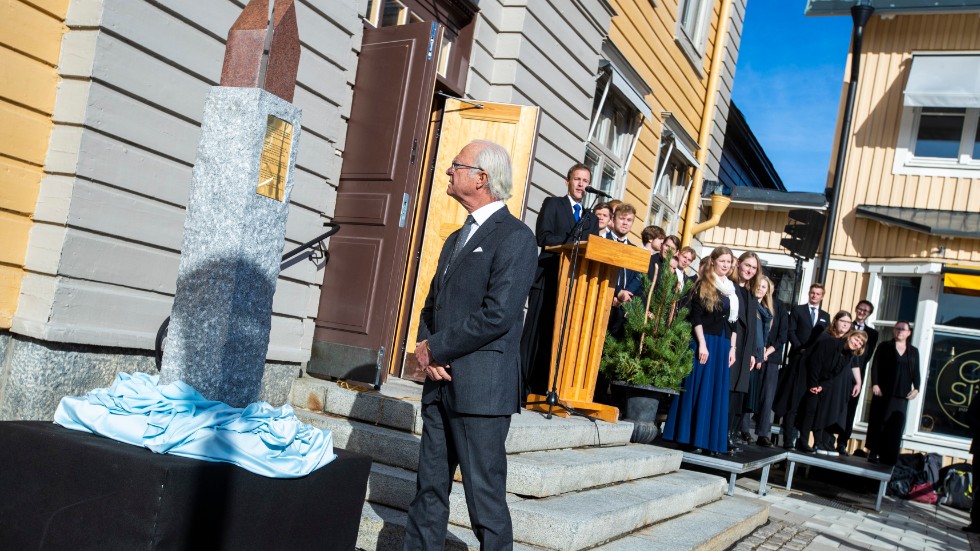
(233, 242)
(65, 489)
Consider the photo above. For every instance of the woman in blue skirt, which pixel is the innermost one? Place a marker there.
(699, 415)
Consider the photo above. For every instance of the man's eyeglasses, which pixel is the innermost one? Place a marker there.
(454, 166)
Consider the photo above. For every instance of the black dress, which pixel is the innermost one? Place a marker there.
(828, 365)
(896, 375)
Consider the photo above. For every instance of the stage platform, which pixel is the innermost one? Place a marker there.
(751, 458)
(858, 466)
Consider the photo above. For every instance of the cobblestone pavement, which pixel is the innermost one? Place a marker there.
(832, 511)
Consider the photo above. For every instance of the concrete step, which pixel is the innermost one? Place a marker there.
(528, 432)
(568, 522)
(383, 529)
(397, 405)
(581, 520)
(715, 526)
(549, 473)
(544, 474)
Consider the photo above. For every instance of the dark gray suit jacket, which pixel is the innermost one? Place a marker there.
(473, 317)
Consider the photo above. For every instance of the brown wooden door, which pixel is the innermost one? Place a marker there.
(512, 126)
(379, 183)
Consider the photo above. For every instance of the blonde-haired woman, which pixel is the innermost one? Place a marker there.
(832, 376)
(699, 415)
(772, 335)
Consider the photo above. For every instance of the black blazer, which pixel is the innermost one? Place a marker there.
(869, 349)
(745, 342)
(711, 322)
(473, 316)
(555, 224)
(884, 370)
(801, 331)
(778, 332)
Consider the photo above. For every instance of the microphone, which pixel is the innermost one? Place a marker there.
(598, 192)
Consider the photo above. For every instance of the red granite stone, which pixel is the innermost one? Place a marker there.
(246, 40)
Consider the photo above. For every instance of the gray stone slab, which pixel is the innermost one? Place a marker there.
(715, 526)
(233, 242)
(37, 374)
(383, 529)
(384, 445)
(548, 473)
(584, 519)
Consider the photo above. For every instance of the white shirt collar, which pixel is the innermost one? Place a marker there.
(481, 214)
(573, 202)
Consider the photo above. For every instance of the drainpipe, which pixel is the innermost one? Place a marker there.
(704, 136)
(860, 13)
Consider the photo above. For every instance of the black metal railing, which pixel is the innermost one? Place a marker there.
(318, 254)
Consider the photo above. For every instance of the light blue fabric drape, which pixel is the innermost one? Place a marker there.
(177, 419)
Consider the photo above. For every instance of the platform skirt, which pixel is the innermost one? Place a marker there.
(699, 415)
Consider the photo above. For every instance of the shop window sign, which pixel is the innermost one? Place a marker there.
(952, 383)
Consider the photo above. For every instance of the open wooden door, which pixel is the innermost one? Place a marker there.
(379, 182)
(512, 126)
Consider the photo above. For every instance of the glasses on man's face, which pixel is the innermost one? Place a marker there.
(863, 311)
(453, 166)
(897, 329)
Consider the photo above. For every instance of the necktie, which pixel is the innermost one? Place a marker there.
(578, 212)
(464, 233)
(813, 315)
(859, 326)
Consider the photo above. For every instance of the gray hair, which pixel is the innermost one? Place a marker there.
(495, 161)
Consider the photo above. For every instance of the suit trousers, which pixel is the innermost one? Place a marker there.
(476, 444)
(845, 435)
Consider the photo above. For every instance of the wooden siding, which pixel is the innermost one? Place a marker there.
(645, 33)
(843, 290)
(544, 53)
(868, 177)
(103, 257)
(30, 40)
(748, 229)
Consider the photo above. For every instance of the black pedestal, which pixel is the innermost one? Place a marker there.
(65, 489)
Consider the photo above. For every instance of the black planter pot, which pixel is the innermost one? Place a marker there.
(640, 404)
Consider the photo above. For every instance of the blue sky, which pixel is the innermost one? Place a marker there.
(788, 84)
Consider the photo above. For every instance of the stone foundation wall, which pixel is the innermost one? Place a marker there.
(36, 374)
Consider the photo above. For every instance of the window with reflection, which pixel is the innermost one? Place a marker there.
(899, 302)
(615, 122)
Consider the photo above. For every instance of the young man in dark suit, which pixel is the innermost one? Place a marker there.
(806, 322)
(556, 225)
(468, 344)
(628, 282)
(863, 309)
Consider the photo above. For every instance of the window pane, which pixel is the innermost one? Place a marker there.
(688, 16)
(391, 13)
(899, 298)
(976, 144)
(608, 178)
(959, 311)
(954, 373)
(939, 135)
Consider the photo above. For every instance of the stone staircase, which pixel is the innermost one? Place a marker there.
(572, 484)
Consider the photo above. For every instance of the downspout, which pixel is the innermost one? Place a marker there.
(704, 136)
(860, 13)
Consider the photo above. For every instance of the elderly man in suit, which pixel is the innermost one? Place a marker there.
(468, 344)
(557, 223)
(806, 322)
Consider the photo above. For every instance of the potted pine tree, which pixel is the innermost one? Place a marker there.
(648, 364)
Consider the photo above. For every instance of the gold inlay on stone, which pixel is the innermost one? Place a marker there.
(274, 163)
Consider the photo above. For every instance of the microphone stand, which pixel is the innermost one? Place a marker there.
(551, 398)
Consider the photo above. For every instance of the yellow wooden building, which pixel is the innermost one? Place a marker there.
(907, 231)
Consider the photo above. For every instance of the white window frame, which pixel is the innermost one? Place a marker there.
(693, 37)
(924, 326)
(664, 210)
(964, 166)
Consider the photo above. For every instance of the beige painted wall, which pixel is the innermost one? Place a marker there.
(868, 177)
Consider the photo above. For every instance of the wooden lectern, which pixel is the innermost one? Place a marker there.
(599, 262)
